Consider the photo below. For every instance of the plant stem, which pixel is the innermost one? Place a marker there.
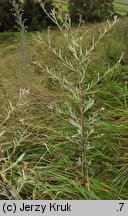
(83, 159)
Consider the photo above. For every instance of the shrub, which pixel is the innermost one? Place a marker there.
(90, 10)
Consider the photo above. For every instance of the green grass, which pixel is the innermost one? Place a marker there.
(121, 7)
(37, 161)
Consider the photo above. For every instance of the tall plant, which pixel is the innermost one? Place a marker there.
(80, 108)
(23, 48)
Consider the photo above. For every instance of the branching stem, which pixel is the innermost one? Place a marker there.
(83, 159)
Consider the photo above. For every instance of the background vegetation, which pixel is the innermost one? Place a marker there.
(37, 161)
(121, 6)
(37, 20)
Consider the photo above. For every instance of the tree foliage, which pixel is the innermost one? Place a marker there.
(91, 10)
(35, 17)
(7, 20)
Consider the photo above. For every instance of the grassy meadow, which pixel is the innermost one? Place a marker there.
(121, 6)
(37, 160)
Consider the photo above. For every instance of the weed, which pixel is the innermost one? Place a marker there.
(80, 113)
